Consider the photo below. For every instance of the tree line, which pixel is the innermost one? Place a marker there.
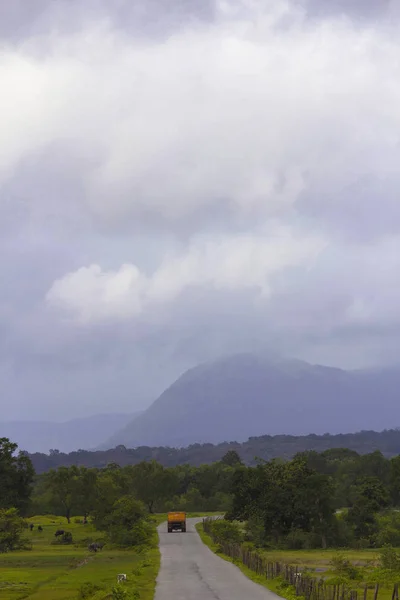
(335, 498)
(266, 447)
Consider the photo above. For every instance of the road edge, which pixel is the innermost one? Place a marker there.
(272, 585)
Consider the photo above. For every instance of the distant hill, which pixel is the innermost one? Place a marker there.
(265, 447)
(85, 433)
(246, 395)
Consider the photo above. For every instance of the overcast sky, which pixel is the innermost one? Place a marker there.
(181, 179)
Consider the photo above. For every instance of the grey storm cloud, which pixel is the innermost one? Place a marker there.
(179, 180)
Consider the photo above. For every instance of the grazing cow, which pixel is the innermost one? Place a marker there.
(94, 546)
(59, 532)
(121, 577)
(40, 528)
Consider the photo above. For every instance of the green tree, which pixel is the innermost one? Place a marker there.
(109, 487)
(226, 532)
(231, 459)
(369, 497)
(395, 480)
(16, 477)
(127, 523)
(246, 489)
(389, 558)
(284, 497)
(63, 485)
(152, 483)
(86, 490)
(388, 529)
(12, 527)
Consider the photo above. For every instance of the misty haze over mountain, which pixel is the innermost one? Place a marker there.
(231, 399)
(43, 436)
(247, 395)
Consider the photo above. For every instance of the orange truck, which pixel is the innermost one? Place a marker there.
(176, 521)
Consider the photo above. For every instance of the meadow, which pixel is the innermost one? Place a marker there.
(64, 572)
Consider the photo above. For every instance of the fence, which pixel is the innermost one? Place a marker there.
(305, 585)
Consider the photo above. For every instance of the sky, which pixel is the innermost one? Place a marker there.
(185, 179)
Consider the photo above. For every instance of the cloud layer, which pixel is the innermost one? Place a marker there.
(219, 178)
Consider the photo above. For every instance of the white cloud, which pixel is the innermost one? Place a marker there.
(252, 110)
(230, 264)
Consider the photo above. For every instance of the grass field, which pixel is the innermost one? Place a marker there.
(320, 559)
(57, 572)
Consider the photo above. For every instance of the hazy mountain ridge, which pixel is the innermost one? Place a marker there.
(247, 395)
(85, 432)
(264, 447)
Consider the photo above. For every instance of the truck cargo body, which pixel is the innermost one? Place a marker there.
(176, 521)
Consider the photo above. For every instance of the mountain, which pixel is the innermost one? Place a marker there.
(247, 395)
(85, 433)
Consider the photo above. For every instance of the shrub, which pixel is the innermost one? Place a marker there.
(121, 593)
(226, 532)
(389, 559)
(343, 568)
(65, 538)
(139, 534)
(255, 531)
(289, 591)
(11, 529)
(126, 523)
(87, 590)
(297, 539)
(388, 529)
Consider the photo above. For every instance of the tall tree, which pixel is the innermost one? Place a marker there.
(152, 483)
(369, 497)
(395, 480)
(63, 485)
(16, 477)
(232, 459)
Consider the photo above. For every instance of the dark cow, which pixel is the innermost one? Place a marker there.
(94, 546)
(31, 526)
(40, 528)
(59, 532)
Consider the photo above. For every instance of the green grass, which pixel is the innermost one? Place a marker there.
(320, 559)
(56, 572)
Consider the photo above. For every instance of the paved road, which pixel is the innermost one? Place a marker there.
(191, 571)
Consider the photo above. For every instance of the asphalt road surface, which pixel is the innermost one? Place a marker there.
(191, 571)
